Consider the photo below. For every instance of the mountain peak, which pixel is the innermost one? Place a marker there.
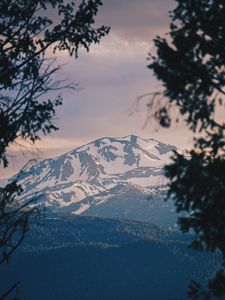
(94, 168)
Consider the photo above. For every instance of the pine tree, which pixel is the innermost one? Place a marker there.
(190, 62)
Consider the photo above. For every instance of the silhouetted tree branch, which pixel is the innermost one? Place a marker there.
(191, 65)
(27, 35)
(9, 291)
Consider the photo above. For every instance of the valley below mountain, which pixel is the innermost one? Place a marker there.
(88, 258)
(104, 229)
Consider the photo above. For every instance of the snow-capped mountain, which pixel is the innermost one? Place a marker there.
(86, 177)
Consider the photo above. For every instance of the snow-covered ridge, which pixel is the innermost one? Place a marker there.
(94, 168)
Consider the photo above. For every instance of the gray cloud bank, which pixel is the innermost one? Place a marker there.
(139, 19)
(111, 76)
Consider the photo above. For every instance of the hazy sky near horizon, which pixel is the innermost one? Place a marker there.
(109, 77)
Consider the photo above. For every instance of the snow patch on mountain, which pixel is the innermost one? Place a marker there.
(87, 177)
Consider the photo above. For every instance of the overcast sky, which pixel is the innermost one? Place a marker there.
(110, 77)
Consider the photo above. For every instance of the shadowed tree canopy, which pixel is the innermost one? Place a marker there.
(26, 72)
(28, 38)
(190, 63)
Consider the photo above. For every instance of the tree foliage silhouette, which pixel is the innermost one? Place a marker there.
(28, 35)
(190, 62)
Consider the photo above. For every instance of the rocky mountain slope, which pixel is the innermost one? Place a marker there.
(107, 177)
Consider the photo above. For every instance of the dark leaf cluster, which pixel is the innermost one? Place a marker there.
(27, 34)
(26, 75)
(190, 62)
(13, 220)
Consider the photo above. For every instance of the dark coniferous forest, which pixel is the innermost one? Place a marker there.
(104, 210)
